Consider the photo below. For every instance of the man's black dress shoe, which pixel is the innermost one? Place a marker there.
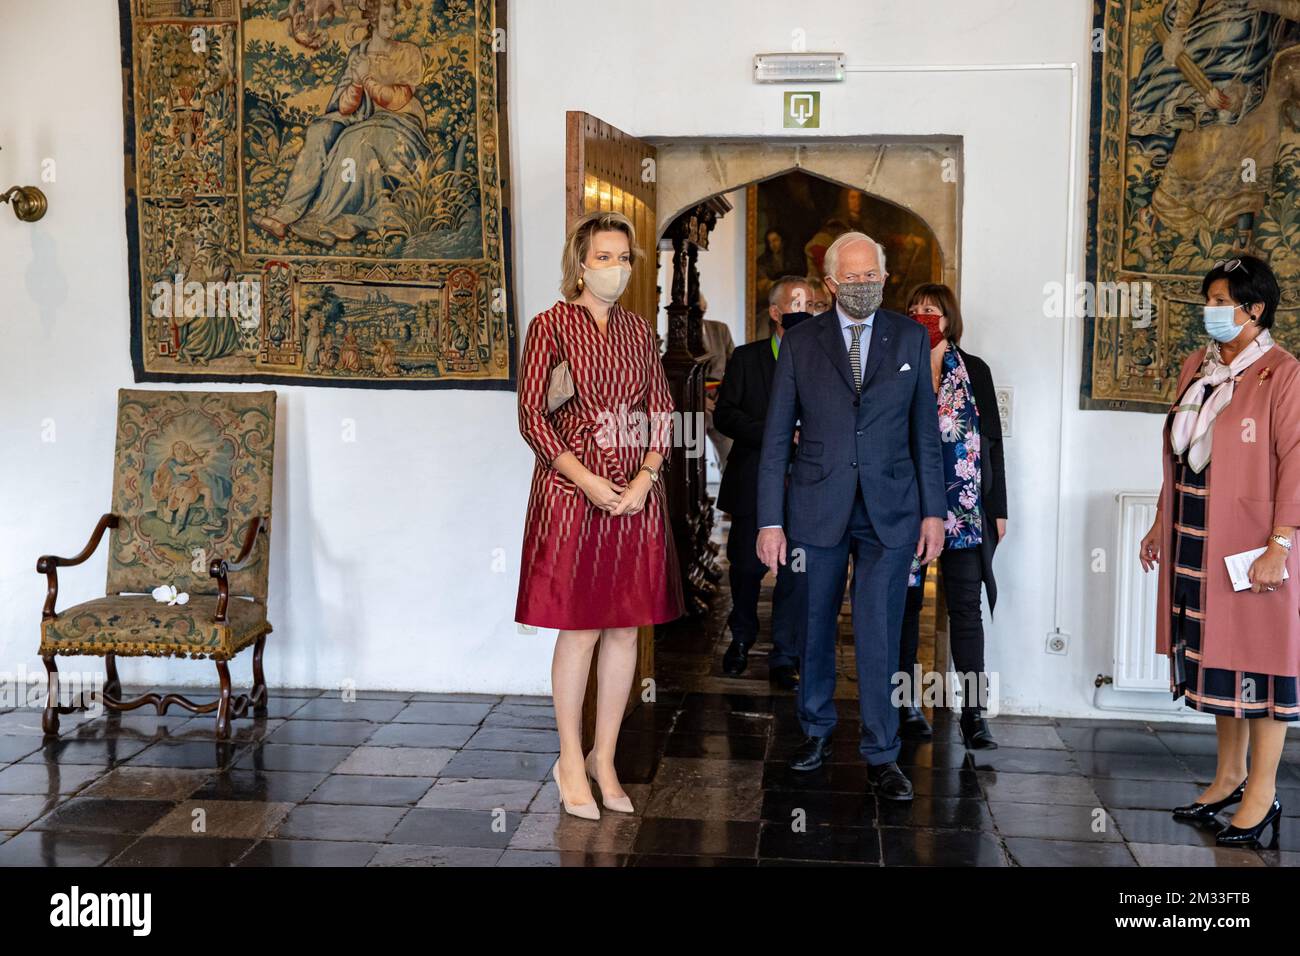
(975, 731)
(812, 753)
(1252, 836)
(912, 724)
(735, 659)
(1205, 812)
(889, 782)
(784, 676)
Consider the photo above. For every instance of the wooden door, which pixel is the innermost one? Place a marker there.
(605, 168)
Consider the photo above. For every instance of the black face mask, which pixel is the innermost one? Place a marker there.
(790, 319)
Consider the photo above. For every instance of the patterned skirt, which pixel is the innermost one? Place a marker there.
(1212, 690)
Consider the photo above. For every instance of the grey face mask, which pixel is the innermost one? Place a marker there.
(860, 299)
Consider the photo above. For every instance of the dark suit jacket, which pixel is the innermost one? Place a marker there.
(884, 441)
(739, 414)
(993, 473)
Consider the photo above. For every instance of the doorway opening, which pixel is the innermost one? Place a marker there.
(729, 216)
(784, 204)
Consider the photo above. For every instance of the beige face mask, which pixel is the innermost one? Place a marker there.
(607, 284)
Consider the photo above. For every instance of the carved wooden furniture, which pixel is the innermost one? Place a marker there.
(191, 511)
(689, 503)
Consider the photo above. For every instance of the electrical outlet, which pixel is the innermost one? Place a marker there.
(1005, 394)
(1058, 642)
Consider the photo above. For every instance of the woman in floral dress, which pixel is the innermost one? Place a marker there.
(975, 478)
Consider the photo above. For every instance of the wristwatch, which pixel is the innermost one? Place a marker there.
(1284, 542)
(654, 475)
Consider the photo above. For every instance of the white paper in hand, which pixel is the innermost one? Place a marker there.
(1239, 568)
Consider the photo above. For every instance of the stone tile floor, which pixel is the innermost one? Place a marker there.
(400, 779)
(408, 779)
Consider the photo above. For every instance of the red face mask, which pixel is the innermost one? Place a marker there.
(931, 323)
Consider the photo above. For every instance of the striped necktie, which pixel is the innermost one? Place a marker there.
(855, 352)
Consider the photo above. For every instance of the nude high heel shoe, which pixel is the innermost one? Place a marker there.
(617, 804)
(587, 811)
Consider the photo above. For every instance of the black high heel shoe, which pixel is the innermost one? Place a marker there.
(975, 733)
(1250, 836)
(1206, 812)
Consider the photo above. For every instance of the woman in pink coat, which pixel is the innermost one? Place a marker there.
(1234, 654)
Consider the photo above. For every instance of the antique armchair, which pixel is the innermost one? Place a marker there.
(191, 489)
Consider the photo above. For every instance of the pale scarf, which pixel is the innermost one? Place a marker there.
(1192, 429)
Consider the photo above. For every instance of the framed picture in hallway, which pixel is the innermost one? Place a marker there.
(316, 192)
(791, 219)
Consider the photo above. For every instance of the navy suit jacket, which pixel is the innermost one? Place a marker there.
(740, 414)
(884, 440)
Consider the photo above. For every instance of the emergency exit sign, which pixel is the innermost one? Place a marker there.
(803, 109)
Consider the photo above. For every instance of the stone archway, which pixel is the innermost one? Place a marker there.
(923, 176)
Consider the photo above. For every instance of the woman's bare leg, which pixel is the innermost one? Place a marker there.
(569, 670)
(1233, 736)
(1267, 736)
(615, 669)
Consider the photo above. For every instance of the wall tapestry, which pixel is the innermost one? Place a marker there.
(316, 192)
(1195, 146)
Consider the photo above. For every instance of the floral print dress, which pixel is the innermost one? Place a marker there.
(959, 434)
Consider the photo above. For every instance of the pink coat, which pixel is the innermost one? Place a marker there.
(1254, 486)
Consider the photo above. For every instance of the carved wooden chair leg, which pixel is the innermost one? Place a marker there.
(259, 679)
(50, 720)
(223, 705)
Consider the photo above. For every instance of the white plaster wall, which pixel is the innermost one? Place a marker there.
(395, 556)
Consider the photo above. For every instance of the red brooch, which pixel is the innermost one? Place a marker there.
(1263, 376)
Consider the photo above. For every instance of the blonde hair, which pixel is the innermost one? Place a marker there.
(578, 243)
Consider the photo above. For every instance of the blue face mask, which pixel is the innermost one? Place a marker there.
(1219, 322)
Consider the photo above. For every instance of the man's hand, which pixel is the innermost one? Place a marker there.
(931, 541)
(771, 547)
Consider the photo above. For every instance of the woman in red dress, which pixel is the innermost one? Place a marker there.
(598, 559)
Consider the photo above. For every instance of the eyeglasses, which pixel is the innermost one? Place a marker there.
(1228, 265)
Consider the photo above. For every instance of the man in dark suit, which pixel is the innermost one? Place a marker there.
(867, 480)
(740, 413)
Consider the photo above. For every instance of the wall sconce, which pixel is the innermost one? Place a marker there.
(29, 203)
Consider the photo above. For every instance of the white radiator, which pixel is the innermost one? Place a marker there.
(1137, 665)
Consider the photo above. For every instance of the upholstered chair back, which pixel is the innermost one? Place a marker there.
(192, 469)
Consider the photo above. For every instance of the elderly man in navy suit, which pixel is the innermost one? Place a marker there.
(867, 480)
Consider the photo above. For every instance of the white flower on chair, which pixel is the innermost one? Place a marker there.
(167, 594)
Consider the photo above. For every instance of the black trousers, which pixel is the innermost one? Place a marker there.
(746, 577)
(962, 580)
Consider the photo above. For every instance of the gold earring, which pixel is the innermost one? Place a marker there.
(581, 284)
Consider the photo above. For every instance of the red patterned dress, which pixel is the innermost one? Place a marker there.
(583, 568)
